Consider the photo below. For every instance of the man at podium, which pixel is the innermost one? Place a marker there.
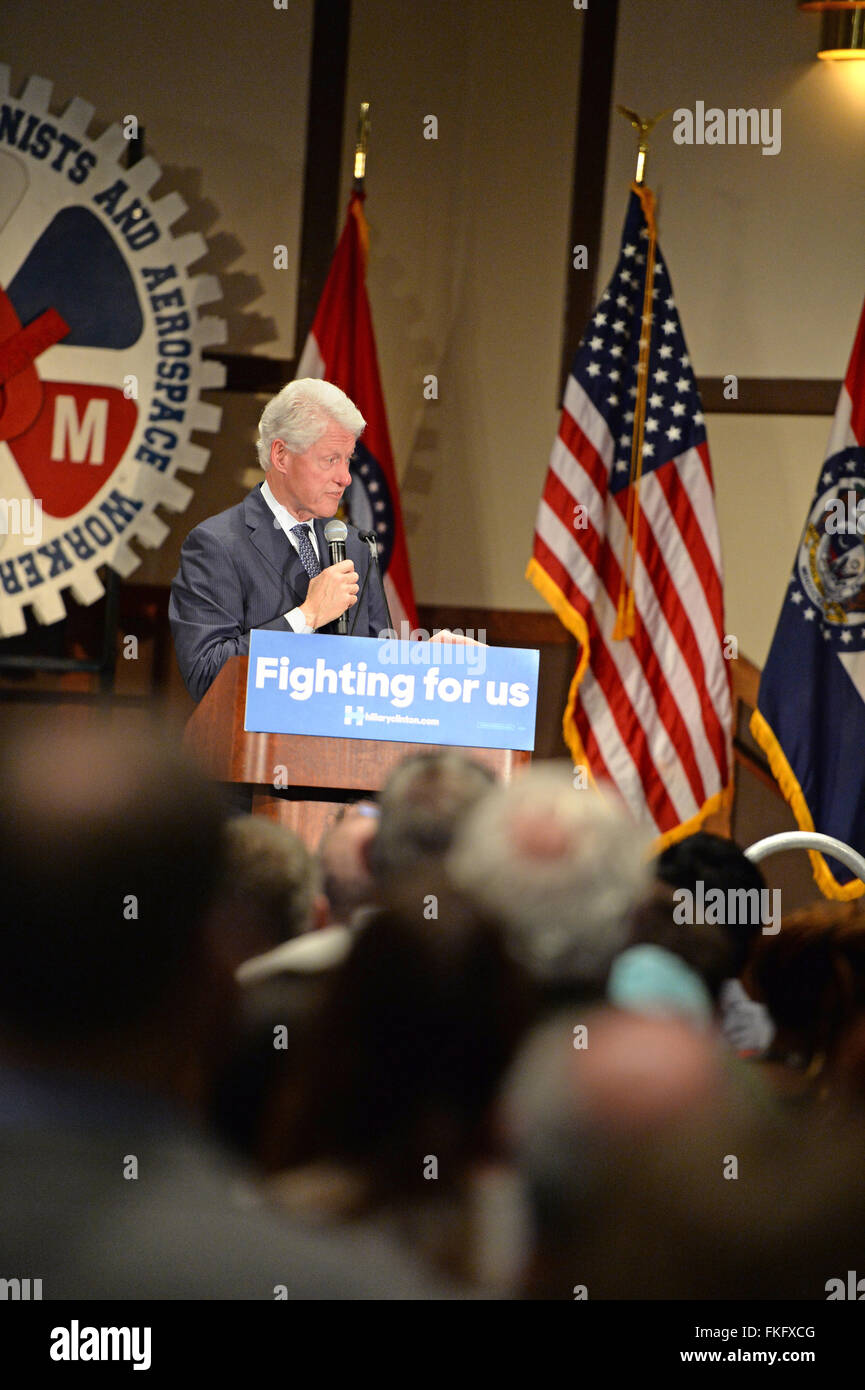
(265, 562)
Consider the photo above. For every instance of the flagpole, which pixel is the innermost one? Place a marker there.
(358, 187)
(341, 349)
(360, 148)
(625, 626)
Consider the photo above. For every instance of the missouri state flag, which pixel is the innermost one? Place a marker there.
(810, 715)
(626, 551)
(341, 348)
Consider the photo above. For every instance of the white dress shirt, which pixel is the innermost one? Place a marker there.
(295, 619)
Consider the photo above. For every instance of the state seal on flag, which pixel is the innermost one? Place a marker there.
(831, 561)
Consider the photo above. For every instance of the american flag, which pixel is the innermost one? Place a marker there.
(649, 712)
(340, 348)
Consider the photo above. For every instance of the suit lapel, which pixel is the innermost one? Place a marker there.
(276, 549)
(273, 545)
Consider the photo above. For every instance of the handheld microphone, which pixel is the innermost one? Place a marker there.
(335, 533)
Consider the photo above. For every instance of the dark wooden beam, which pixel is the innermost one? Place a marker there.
(755, 395)
(507, 627)
(590, 170)
(245, 372)
(328, 70)
(322, 177)
(770, 395)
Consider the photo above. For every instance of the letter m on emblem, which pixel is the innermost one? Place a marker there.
(74, 439)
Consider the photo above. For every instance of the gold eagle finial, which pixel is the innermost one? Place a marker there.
(644, 127)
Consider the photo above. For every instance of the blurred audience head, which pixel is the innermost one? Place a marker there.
(423, 804)
(560, 868)
(587, 1087)
(712, 953)
(110, 853)
(718, 863)
(256, 1093)
(811, 977)
(651, 980)
(343, 858)
(653, 1171)
(414, 1036)
(600, 1071)
(270, 884)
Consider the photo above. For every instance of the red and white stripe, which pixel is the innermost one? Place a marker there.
(652, 713)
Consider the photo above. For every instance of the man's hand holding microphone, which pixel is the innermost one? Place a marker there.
(334, 591)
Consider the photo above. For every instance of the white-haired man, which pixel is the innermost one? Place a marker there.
(264, 562)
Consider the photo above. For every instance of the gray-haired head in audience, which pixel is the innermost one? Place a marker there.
(560, 868)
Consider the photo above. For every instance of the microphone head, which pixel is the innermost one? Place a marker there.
(335, 531)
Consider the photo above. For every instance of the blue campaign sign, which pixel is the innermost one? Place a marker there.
(407, 692)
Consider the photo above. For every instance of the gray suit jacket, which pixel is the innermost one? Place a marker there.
(186, 1223)
(238, 571)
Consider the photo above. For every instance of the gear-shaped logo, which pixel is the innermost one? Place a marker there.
(100, 356)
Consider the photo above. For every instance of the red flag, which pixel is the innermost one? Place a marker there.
(341, 348)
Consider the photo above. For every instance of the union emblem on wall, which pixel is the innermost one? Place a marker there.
(101, 367)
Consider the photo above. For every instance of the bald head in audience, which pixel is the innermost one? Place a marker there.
(343, 858)
(654, 1168)
(422, 807)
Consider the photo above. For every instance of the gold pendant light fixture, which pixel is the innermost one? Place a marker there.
(843, 35)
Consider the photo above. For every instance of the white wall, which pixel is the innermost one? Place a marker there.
(467, 269)
(765, 252)
(221, 89)
(469, 253)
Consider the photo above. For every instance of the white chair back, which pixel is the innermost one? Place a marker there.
(809, 839)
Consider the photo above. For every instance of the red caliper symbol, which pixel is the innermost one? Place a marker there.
(20, 387)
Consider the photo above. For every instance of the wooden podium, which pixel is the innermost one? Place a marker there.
(322, 774)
